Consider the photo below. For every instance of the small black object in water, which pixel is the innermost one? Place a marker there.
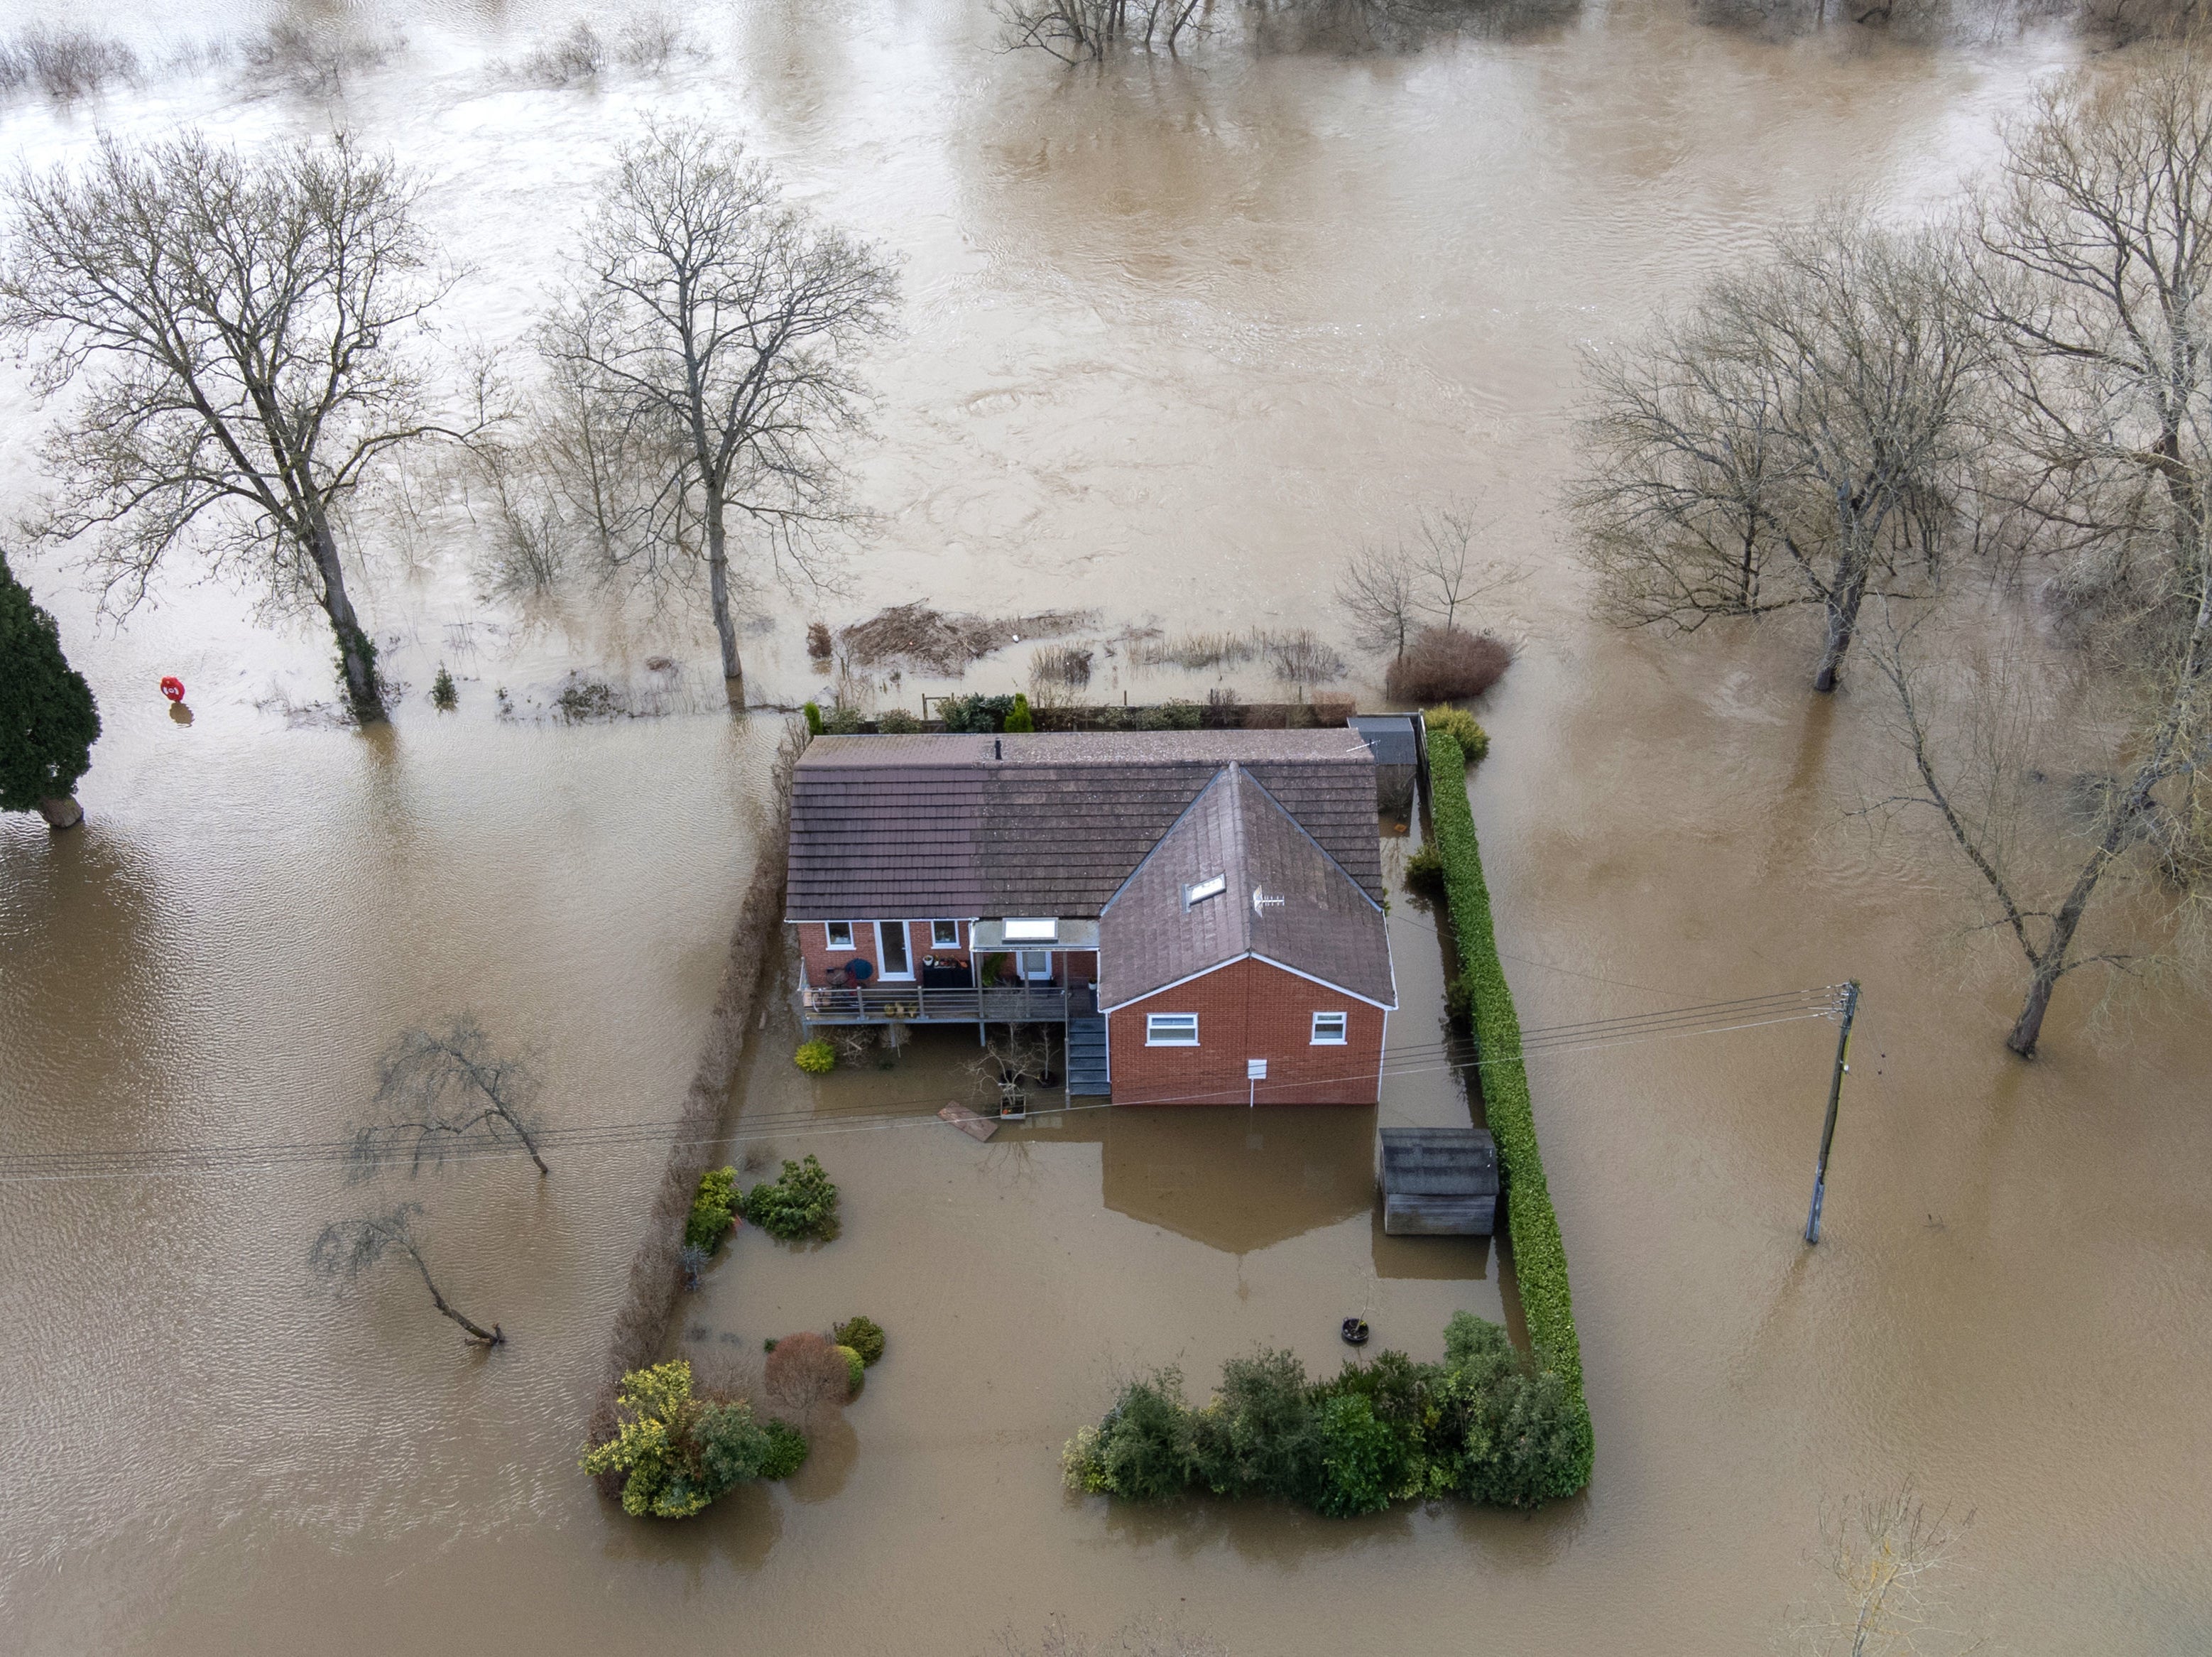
(1355, 1332)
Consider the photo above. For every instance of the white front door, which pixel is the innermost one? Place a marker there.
(893, 963)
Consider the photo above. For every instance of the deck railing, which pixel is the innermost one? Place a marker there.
(917, 1004)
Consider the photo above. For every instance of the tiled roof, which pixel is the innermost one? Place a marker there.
(1286, 900)
(927, 826)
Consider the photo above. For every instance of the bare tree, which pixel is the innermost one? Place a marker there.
(446, 1093)
(1380, 590)
(1078, 31)
(1786, 443)
(714, 326)
(1887, 1557)
(2095, 260)
(1450, 573)
(347, 1249)
(239, 326)
(805, 1375)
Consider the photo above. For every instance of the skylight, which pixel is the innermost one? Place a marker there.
(1032, 931)
(1199, 893)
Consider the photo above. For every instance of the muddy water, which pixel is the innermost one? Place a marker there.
(1176, 337)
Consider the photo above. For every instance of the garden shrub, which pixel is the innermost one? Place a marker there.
(1425, 870)
(712, 1210)
(1019, 719)
(1461, 726)
(864, 1335)
(1539, 1256)
(817, 1057)
(979, 714)
(1441, 664)
(856, 1368)
(813, 712)
(800, 1203)
(1486, 1423)
(842, 721)
(1359, 1455)
(675, 1453)
(897, 721)
(1172, 716)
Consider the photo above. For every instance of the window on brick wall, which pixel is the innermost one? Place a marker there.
(1171, 1029)
(840, 934)
(1328, 1029)
(944, 934)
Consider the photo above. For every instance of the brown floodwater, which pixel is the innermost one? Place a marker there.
(1175, 337)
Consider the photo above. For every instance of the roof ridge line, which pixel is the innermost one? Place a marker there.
(1291, 818)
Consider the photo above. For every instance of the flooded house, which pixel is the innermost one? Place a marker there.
(1201, 911)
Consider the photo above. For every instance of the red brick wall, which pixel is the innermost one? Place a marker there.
(1248, 1009)
(814, 949)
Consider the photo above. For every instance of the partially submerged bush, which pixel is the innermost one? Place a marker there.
(675, 1453)
(806, 1372)
(64, 63)
(1443, 664)
(1425, 870)
(817, 1057)
(799, 1203)
(856, 1369)
(1487, 1425)
(1459, 725)
(864, 1335)
(712, 1209)
(444, 693)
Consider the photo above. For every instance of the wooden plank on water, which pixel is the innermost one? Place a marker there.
(967, 1122)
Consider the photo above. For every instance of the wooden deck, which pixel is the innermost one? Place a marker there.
(911, 1003)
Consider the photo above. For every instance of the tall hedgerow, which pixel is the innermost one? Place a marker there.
(1539, 1256)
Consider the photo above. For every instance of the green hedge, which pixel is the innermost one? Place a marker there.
(1540, 1257)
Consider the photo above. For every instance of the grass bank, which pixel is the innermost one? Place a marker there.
(1539, 1256)
(642, 1317)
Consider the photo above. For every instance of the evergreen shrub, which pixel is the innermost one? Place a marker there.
(675, 1453)
(864, 1335)
(800, 1203)
(817, 1057)
(712, 1210)
(1487, 1424)
(48, 720)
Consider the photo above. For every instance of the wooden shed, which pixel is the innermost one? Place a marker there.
(1439, 1182)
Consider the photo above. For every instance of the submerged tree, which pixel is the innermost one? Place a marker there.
(1787, 442)
(2094, 262)
(347, 1249)
(1436, 572)
(710, 330)
(446, 1093)
(48, 720)
(237, 328)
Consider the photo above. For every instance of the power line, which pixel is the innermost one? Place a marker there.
(1420, 1059)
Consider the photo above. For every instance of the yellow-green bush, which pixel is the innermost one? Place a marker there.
(817, 1057)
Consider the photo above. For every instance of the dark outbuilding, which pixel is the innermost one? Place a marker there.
(1439, 1182)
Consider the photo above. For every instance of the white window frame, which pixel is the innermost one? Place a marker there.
(829, 930)
(1163, 1029)
(1343, 1036)
(944, 934)
(883, 973)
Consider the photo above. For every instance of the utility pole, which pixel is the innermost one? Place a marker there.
(1851, 1006)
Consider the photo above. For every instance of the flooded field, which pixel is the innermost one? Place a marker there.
(1175, 337)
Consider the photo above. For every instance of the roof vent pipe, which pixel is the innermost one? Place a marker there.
(997, 750)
